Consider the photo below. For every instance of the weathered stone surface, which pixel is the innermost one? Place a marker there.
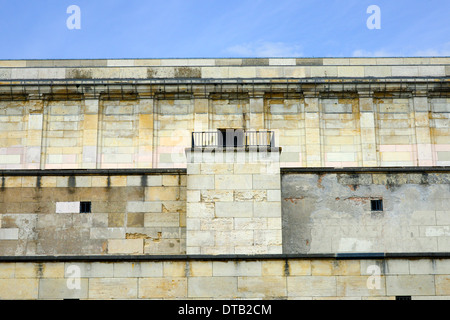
(243, 209)
(332, 267)
(227, 279)
(19, 289)
(360, 286)
(63, 289)
(442, 285)
(410, 285)
(113, 288)
(126, 246)
(162, 288)
(217, 195)
(204, 287)
(200, 269)
(262, 287)
(344, 221)
(311, 286)
(232, 182)
(255, 195)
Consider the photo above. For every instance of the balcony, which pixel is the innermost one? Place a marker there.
(233, 138)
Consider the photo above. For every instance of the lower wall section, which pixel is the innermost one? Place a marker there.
(331, 210)
(222, 278)
(129, 212)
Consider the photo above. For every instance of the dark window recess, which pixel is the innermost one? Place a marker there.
(403, 298)
(85, 207)
(231, 138)
(377, 205)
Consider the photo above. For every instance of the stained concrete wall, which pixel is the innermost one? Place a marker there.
(322, 212)
(130, 214)
(330, 212)
(305, 278)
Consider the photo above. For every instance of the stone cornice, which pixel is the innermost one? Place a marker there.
(121, 89)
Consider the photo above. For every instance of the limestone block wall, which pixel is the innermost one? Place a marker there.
(439, 131)
(130, 214)
(21, 135)
(173, 127)
(233, 202)
(287, 118)
(153, 133)
(331, 211)
(290, 278)
(337, 112)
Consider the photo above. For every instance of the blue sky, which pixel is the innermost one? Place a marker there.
(36, 29)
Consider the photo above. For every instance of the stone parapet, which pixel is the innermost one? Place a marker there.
(224, 68)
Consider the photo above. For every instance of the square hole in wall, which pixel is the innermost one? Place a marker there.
(85, 207)
(376, 205)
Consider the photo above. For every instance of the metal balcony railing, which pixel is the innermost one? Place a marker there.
(233, 138)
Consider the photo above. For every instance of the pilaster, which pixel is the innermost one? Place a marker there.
(368, 131)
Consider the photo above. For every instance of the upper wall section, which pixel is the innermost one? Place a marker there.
(225, 68)
(325, 112)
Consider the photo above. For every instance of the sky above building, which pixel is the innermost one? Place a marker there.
(99, 29)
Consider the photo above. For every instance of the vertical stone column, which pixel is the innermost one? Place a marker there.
(34, 141)
(201, 113)
(422, 130)
(145, 148)
(90, 133)
(233, 202)
(44, 137)
(156, 126)
(313, 157)
(256, 116)
(367, 126)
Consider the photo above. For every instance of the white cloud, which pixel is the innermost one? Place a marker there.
(443, 50)
(373, 54)
(260, 49)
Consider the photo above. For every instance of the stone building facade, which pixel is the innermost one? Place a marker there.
(225, 178)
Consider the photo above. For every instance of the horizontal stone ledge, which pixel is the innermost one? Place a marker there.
(226, 61)
(175, 171)
(149, 258)
(228, 81)
(90, 172)
(316, 170)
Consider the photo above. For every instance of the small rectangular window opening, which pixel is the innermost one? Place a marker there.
(377, 205)
(85, 207)
(403, 298)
